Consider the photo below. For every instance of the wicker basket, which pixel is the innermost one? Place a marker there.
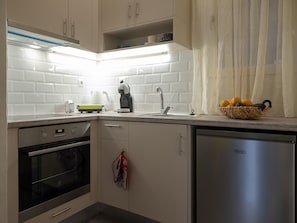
(243, 112)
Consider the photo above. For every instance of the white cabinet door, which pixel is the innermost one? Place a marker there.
(114, 139)
(116, 14)
(77, 19)
(45, 15)
(83, 22)
(120, 14)
(153, 10)
(158, 186)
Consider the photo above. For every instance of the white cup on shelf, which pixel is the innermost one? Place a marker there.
(151, 39)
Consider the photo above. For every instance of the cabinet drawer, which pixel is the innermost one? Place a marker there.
(63, 211)
(114, 130)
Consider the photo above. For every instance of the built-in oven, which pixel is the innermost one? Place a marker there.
(54, 166)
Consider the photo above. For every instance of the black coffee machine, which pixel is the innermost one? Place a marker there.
(126, 103)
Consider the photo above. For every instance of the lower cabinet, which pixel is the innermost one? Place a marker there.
(114, 139)
(159, 173)
(63, 211)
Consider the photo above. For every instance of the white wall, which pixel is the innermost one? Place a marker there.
(40, 82)
(3, 122)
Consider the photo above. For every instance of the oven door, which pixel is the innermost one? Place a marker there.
(53, 173)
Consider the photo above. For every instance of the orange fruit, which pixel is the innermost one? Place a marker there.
(224, 103)
(235, 100)
(247, 102)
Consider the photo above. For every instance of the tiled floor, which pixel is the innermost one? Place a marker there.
(100, 213)
(104, 219)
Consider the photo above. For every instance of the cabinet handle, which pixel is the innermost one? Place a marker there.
(129, 11)
(73, 30)
(65, 27)
(112, 125)
(137, 9)
(181, 145)
(60, 212)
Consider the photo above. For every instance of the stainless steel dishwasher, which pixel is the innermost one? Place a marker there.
(244, 177)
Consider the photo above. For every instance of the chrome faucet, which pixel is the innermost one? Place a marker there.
(162, 110)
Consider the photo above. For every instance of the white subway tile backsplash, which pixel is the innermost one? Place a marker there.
(179, 87)
(74, 97)
(53, 78)
(152, 98)
(22, 64)
(43, 66)
(178, 67)
(78, 90)
(21, 52)
(54, 98)
(15, 98)
(9, 86)
(34, 76)
(170, 98)
(152, 79)
(186, 76)
(47, 109)
(180, 108)
(139, 79)
(67, 79)
(15, 74)
(21, 86)
(40, 82)
(165, 87)
(174, 56)
(59, 108)
(141, 88)
(161, 68)
(138, 98)
(34, 98)
(44, 87)
(127, 71)
(169, 77)
(185, 97)
(62, 88)
(186, 56)
(145, 70)
(24, 109)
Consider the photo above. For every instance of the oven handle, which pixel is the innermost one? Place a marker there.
(57, 148)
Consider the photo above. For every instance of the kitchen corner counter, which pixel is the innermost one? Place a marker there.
(49, 119)
(264, 123)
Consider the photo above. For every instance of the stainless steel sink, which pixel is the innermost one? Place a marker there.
(177, 115)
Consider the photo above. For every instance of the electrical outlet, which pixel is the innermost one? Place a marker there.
(81, 83)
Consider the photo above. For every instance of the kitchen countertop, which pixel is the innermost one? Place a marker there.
(264, 123)
(21, 121)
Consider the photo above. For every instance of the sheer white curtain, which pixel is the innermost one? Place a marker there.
(245, 48)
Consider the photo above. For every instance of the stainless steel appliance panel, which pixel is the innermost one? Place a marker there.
(244, 177)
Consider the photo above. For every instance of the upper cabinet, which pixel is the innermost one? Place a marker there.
(77, 19)
(83, 22)
(45, 15)
(121, 14)
(128, 23)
